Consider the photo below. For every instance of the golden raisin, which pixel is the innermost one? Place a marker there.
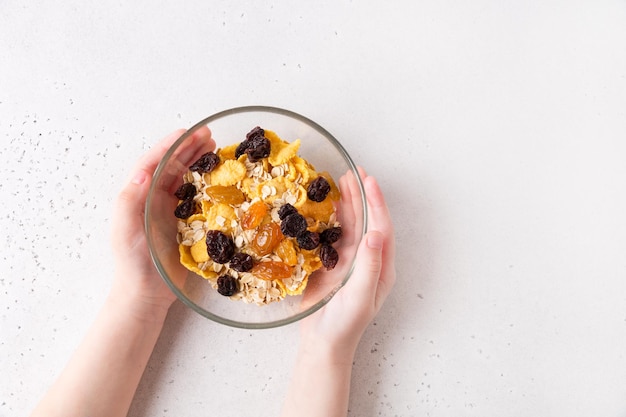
(253, 217)
(271, 270)
(266, 239)
(287, 252)
(225, 194)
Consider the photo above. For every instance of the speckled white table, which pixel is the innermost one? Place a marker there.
(498, 133)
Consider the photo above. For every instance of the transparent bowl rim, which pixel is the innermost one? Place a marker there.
(161, 269)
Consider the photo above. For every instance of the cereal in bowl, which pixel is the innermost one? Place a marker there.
(255, 219)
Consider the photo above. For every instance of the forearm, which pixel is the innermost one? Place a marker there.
(320, 386)
(102, 375)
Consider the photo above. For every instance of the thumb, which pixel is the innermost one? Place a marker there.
(368, 266)
(128, 219)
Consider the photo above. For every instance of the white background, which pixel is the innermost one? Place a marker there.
(497, 130)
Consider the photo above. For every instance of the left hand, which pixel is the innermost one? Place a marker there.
(135, 274)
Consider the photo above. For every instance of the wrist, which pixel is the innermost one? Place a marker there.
(334, 353)
(137, 306)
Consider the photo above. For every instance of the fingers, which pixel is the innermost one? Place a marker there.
(187, 153)
(129, 210)
(364, 282)
(379, 219)
(351, 209)
(346, 211)
(148, 163)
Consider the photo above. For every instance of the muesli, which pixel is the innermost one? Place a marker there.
(256, 220)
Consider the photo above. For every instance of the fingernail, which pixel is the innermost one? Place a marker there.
(139, 177)
(375, 240)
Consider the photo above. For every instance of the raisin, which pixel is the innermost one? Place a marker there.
(206, 163)
(185, 209)
(318, 189)
(256, 145)
(254, 216)
(258, 148)
(267, 237)
(220, 247)
(241, 262)
(308, 240)
(328, 256)
(185, 191)
(241, 149)
(227, 285)
(225, 194)
(257, 131)
(293, 225)
(272, 270)
(286, 210)
(330, 235)
(287, 252)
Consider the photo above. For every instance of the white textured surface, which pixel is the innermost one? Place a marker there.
(497, 129)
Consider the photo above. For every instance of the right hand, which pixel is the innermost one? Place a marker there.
(340, 324)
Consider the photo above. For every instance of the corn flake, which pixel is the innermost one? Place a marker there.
(199, 251)
(227, 152)
(230, 172)
(220, 217)
(281, 151)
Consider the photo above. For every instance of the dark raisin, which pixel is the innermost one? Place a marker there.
(330, 235)
(328, 256)
(257, 131)
(227, 285)
(256, 145)
(293, 225)
(220, 247)
(206, 163)
(185, 209)
(308, 240)
(241, 148)
(318, 189)
(258, 148)
(241, 262)
(185, 191)
(286, 210)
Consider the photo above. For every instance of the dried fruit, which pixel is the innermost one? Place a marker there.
(185, 191)
(258, 148)
(185, 209)
(220, 247)
(293, 225)
(286, 210)
(241, 262)
(257, 131)
(206, 163)
(227, 285)
(329, 256)
(266, 239)
(286, 251)
(254, 215)
(225, 194)
(318, 189)
(271, 270)
(334, 193)
(256, 145)
(308, 240)
(331, 235)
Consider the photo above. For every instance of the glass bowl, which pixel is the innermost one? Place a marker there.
(229, 127)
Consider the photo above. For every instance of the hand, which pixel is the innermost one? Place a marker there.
(341, 323)
(136, 276)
